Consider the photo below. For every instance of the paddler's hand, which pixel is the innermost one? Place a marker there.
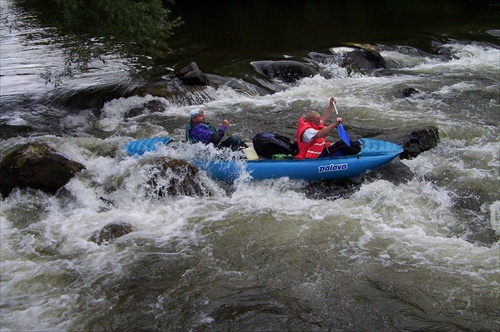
(337, 121)
(332, 101)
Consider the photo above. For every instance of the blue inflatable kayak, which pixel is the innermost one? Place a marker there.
(138, 148)
(374, 154)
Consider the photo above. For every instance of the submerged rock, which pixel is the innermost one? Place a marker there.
(110, 232)
(152, 106)
(7, 131)
(408, 92)
(37, 166)
(172, 177)
(173, 90)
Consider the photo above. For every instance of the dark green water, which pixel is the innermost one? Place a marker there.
(223, 36)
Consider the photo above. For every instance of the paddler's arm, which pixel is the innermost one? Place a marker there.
(217, 136)
(325, 131)
(328, 111)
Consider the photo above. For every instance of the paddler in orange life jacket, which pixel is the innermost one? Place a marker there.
(311, 133)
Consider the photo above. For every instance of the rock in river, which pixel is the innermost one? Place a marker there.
(38, 166)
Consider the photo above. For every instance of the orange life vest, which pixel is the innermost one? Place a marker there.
(311, 149)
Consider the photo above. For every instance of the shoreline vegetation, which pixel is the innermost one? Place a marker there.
(87, 31)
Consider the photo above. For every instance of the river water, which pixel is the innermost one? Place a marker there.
(411, 247)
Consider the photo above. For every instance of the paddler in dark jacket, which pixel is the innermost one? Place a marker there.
(198, 130)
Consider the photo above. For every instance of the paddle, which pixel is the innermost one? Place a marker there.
(342, 133)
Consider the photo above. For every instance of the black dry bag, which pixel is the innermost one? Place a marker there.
(267, 144)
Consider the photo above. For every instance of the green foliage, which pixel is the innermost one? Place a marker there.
(137, 30)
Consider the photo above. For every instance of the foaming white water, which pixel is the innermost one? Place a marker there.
(113, 112)
(494, 210)
(398, 225)
(56, 248)
(414, 204)
(474, 56)
(470, 57)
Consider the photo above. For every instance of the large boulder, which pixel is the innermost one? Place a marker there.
(192, 75)
(361, 58)
(364, 57)
(37, 166)
(414, 140)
